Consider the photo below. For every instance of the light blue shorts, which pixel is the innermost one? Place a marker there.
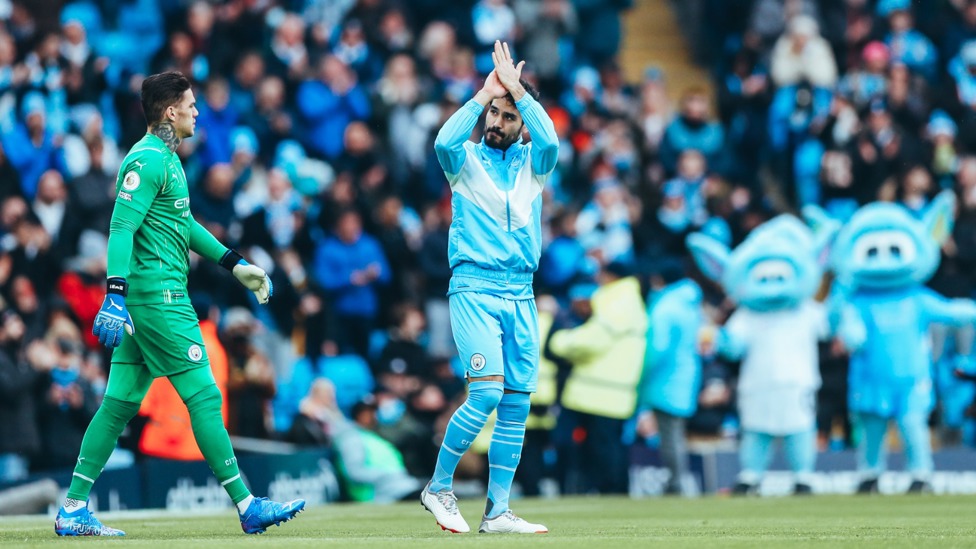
(496, 336)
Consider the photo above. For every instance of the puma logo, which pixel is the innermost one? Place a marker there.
(138, 164)
(112, 303)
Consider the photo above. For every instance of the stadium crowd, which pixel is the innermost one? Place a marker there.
(314, 158)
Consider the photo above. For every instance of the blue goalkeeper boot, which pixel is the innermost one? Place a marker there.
(81, 523)
(262, 512)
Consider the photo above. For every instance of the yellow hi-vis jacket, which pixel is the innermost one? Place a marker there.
(545, 390)
(607, 352)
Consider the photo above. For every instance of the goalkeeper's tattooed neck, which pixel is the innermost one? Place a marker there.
(166, 132)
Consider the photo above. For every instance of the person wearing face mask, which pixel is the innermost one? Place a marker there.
(19, 436)
(67, 405)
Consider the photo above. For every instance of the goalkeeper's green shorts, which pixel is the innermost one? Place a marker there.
(167, 340)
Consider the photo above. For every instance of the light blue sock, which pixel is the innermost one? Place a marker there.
(465, 424)
(505, 451)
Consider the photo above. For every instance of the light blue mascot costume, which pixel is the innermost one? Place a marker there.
(772, 277)
(882, 257)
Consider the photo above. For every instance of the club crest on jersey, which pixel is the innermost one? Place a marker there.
(478, 362)
(194, 353)
(131, 181)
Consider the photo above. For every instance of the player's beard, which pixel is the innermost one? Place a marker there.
(497, 140)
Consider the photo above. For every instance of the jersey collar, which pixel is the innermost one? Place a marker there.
(498, 154)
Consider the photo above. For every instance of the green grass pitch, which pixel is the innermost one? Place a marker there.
(590, 523)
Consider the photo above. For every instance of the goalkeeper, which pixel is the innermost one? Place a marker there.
(150, 238)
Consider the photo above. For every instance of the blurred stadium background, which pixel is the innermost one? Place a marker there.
(314, 158)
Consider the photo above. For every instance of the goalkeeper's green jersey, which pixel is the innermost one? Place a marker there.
(151, 187)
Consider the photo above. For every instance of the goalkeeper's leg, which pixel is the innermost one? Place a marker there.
(127, 385)
(199, 392)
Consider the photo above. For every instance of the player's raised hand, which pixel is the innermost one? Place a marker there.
(506, 70)
(493, 87)
(113, 318)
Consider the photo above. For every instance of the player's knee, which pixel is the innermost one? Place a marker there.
(485, 395)
(207, 399)
(123, 410)
(515, 405)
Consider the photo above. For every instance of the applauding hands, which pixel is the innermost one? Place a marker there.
(504, 78)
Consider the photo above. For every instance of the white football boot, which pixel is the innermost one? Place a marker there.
(443, 505)
(509, 523)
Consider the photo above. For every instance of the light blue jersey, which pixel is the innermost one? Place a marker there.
(496, 241)
(497, 199)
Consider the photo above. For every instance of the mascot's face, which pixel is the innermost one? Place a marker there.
(883, 246)
(777, 267)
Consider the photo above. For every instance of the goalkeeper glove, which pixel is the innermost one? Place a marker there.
(113, 317)
(251, 276)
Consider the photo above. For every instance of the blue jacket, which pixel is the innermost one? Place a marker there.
(672, 366)
(326, 115)
(783, 123)
(497, 195)
(217, 125)
(31, 162)
(335, 262)
(709, 139)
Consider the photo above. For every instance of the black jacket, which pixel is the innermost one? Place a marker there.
(18, 423)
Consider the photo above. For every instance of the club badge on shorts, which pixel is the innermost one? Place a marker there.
(194, 353)
(477, 362)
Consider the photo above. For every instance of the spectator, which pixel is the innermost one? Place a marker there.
(217, 118)
(352, 49)
(907, 44)
(395, 34)
(272, 122)
(55, 217)
(608, 346)
(399, 248)
(84, 73)
(655, 109)
(275, 224)
(960, 30)
(66, 401)
(598, 39)
(672, 368)
(564, 261)
(31, 148)
(870, 81)
(548, 29)
(803, 55)
(213, 203)
(907, 98)
(404, 355)
(743, 107)
(492, 20)
(248, 74)
(436, 272)
(397, 99)
(19, 437)
(692, 129)
(251, 378)
(603, 225)
(329, 103)
(92, 195)
(350, 266)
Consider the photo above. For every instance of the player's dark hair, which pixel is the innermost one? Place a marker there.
(160, 91)
(529, 89)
